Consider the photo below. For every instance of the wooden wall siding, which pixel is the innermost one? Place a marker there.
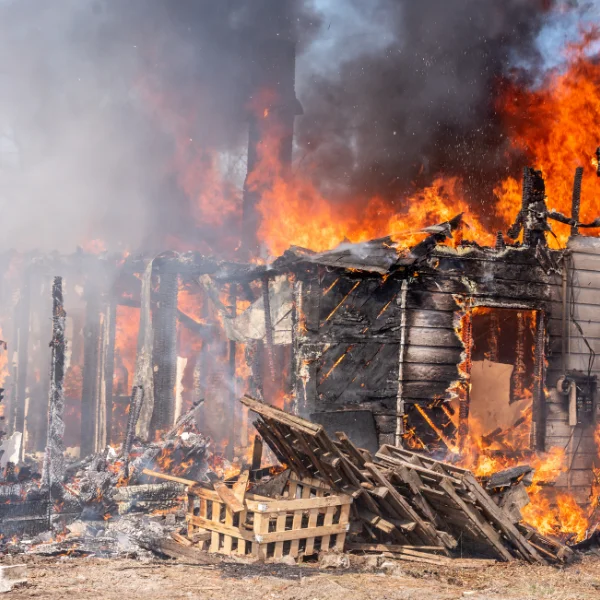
(349, 374)
(584, 291)
(369, 338)
(354, 308)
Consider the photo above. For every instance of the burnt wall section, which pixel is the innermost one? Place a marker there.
(579, 303)
(355, 328)
(348, 344)
(164, 351)
(439, 294)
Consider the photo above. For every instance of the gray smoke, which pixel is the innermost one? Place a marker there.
(94, 97)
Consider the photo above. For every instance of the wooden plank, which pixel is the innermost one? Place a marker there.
(344, 518)
(310, 541)
(354, 453)
(501, 521)
(216, 527)
(228, 497)
(280, 528)
(287, 505)
(261, 528)
(228, 540)
(257, 451)
(390, 547)
(326, 539)
(170, 478)
(289, 451)
(270, 412)
(180, 539)
(398, 464)
(310, 533)
(425, 530)
(241, 485)
(297, 523)
(485, 529)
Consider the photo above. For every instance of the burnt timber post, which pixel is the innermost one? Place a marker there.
(40, 328)
(538, 424)
(91, 359)
(232, 379)
(576, 202)
(109, 362)
(23, 313)
(164, 351)
(54, 462)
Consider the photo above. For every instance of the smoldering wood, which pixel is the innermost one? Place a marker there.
(231, 376)
(268, 327)
(89, 394)
(135, 408)
(109, 364)
(22, 350)
(164, 352)
(54, 461)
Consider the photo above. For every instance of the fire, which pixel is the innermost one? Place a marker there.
(126, 334)
(287, 201)
(555, 127)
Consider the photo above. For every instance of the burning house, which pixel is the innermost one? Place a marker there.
(480, 355)
(413, 370)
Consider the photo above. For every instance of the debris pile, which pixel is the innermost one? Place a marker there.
(327, 496)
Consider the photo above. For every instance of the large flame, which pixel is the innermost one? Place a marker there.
(555, 125)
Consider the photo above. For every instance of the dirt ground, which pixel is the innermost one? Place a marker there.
(87, 579)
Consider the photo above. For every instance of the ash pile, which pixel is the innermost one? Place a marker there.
(104, 504)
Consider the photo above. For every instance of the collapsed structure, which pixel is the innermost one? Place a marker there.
(450, 350)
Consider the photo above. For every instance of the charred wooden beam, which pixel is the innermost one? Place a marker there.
(401, 356)
(164, 352)
(576, 201)
(110, 327)
(231, 376)
(23, 314)
(268, 327)
(91, 357)
(54, 462)
(538, 425)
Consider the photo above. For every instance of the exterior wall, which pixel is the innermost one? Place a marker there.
(349, 350)
(583, 302)
(347, 346)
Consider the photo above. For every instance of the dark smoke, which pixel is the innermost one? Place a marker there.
(97, 94)
(421, 102)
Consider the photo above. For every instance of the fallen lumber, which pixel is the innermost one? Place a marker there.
(408, 498)
(173, 549)
(228, 497)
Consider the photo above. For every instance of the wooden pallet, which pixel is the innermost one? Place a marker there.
(310, 517)
(400, 496)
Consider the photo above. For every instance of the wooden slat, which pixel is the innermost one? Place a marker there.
(479, 523)
(228, 497)
(326, 539)
(271, 412)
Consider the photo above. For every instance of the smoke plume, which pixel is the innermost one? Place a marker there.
(416, 97)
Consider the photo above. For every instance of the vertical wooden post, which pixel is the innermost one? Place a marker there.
(401, 354)
(54, 465)
(23, 313)
(538, 424)
(91, 354)
(110, 325)
(164, 351)
(232, 378)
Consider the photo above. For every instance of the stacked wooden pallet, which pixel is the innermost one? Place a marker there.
(307, 518)
(403, 497)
